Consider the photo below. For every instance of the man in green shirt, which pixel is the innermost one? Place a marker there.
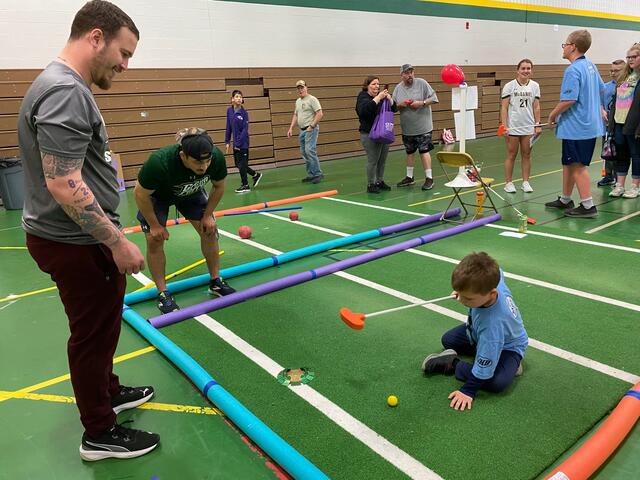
(176, 175)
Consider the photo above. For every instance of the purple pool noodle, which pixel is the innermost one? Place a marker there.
(298, 278)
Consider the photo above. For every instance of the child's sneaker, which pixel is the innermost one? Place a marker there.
(166, 302)
(526, 187)
(405, 182)
(220, 288)
(509, 187)
(243, 189)
(617, 191)
(631, 192)
(606, 180)
(440, 362)
(118, 442)
(130, 397)
(256, 179)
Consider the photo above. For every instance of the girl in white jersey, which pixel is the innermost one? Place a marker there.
(520, 110)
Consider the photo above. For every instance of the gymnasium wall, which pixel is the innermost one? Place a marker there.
(194, 52)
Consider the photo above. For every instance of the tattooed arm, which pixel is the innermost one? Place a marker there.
(64, 181)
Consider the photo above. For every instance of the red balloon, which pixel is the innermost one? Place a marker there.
(451, 74)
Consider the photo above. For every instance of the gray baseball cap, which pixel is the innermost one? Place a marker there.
(405, 67)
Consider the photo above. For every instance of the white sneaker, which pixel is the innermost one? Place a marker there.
(632, 192)
(509, 187)
(617, 191)
(526, 187)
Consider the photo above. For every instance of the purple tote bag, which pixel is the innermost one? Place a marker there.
(382, 130)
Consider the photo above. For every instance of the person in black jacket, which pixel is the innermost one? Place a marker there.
(367, 107)
(624, 125)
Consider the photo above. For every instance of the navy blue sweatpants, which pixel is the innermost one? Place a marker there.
(457, 339)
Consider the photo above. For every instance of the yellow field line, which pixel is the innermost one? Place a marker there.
(13, 248)
(538, 8)
(21, 295)
(479, 188)
(163, 407)
(62, 378)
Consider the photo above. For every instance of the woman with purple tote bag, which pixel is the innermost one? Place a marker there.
(375, 109)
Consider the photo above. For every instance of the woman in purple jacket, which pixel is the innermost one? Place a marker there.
(238, 126)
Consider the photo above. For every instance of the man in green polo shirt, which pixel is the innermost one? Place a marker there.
(176, 175)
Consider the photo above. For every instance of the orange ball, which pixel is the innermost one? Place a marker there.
(293, 216)
(244, 232)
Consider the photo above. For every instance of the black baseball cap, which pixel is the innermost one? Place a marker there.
(198, 146)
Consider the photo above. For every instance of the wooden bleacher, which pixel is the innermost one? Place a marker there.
(145, 107)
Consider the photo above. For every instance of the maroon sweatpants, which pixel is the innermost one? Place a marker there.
(92, 292)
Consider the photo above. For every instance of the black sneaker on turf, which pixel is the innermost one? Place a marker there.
(242, 189)
(559, 204)
(428, 184)
(440, 363)
(383, 186)
(405, 182)
(166, 302)
(606, 180)
(373, 188)
(130, 397)
(307, 179)
(118, 442)
(256, 179)
(220, 288)
(317, 179)
(581, 212)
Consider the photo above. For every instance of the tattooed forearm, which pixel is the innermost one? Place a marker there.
(92, 220)
(54, 166)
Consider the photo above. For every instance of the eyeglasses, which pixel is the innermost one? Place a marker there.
(632, 57)
(567, 44)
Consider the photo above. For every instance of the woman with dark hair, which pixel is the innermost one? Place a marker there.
(238, 127)
(367, 106)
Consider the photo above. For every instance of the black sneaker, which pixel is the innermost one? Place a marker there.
(428, 184)
(220, 288)
(242, 189)
(317, 178)
(405, 182)
(256, 179)
(383, 187)
(581, 212)
(440, 363)
(118, 442)
(559, 204)
(606, 180)
(166, 302)
(130, 397)
(373, 188)
(307, 179)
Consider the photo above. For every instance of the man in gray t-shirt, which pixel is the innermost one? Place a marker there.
(414, 97)
(71, 224)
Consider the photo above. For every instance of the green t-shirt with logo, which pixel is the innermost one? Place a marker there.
(171, 181)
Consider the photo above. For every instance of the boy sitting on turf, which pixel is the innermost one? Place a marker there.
(494, 333)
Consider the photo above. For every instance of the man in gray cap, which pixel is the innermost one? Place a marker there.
(307, 116)
(414, 97)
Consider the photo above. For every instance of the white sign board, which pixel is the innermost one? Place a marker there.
(470, 125)
(472, 98)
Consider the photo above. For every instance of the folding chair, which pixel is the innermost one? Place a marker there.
(464, 161)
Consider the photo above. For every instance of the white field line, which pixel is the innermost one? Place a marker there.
(607, 225)
(376, 442)
(501, 227)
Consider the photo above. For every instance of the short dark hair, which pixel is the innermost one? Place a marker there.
(103, 15)
(476, 273)
(368, 80)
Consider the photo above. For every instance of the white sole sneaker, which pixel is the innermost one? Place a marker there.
(95, 455)
(510, 187)
(526, 187)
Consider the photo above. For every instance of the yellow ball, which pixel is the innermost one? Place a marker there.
(392, 400)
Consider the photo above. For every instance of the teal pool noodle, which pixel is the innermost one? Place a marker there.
(197, 281)
(285, 455)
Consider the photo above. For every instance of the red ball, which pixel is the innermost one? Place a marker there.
(293, 216)
(244, 232)
(451, 74)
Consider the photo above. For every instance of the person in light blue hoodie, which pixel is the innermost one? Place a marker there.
(494, 333)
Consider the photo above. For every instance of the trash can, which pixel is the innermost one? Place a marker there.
(11, 183)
